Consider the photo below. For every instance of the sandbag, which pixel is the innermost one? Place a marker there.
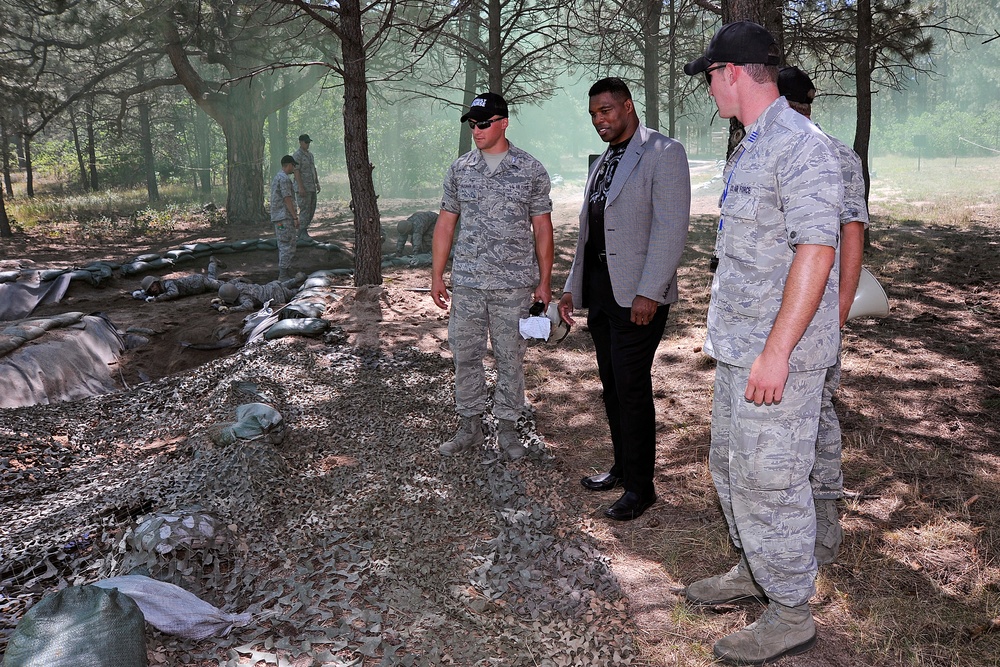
(136, 267)
(246, 244)
(299, 309)
(253, 420)
(317, 281)
(18, 299)
(50, 274)
(173, 610)
(80, 626)
(69, 362)
(305, 326)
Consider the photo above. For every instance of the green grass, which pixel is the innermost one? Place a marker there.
(943, 190)
(102, 208)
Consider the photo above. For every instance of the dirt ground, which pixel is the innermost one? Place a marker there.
(918, 580)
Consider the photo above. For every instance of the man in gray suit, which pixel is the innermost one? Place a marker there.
(633, 227)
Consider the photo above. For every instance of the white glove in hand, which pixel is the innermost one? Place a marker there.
(150, 299)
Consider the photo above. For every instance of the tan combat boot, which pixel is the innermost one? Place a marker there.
(737, 584)
(779, 632)
(468, 435)
(509, 440)
(829, 534)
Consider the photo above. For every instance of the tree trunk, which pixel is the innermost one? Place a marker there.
(29, 172)
(19, 150)
(5, 144)
(653, 10)
(243, 126)
(277, 136)
(91, 146)
(767, 13)
(146, 138)
(672, 71)
(473, 24)
(80, 163)
(367, 226)
(275, 143)
(283, 123)
(203, 141)
(5, 230)
(863, 63)
(495, 59)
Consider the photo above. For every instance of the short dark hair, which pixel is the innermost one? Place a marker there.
(612, 84)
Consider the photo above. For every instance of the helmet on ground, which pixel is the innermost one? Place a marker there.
(229, 293)
(404, 226)
(148, 282)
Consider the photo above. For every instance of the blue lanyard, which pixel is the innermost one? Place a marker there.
(743, 150)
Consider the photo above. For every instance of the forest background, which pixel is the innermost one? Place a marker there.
(196, 99)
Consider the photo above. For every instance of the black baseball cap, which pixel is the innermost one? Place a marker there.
(740, 42)
(305, 138)
(795, 85)
(288, 159)
(485, 106)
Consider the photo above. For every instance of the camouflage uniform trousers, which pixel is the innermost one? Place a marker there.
(286, 235)
(307, 209)
(761, 458)
(827, 478)
(475, 312)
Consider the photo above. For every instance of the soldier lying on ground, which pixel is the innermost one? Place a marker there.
(238, 296)
(155, 288)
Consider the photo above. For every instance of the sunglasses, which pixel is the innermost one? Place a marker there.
(483, 124)
(708, 72)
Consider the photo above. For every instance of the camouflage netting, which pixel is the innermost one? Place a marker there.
(351, 541)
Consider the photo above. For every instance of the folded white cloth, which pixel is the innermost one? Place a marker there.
(535, 327)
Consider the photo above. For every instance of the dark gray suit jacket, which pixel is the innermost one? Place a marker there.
(645, 220)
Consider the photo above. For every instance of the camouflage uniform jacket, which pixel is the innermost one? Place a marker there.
(855, 206)
(175, 288)
(495, 248)
(783, 188)
(253, 297)
(421, 233)
(307, 169)
(281, 187)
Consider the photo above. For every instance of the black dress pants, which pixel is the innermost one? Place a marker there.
(625, 353)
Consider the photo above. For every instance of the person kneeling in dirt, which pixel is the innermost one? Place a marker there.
(419, 230)
(238, 296)
(155, 288)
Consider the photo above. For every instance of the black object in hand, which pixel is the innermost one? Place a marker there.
(536, 308)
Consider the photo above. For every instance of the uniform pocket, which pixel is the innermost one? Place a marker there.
(739, 230)
(771, 455)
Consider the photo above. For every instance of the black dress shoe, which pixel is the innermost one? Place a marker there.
(630, 506)
(601, 482)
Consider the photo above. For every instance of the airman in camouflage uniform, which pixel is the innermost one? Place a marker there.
(773, 329)
(827, 478)
(307, 181)
(419, 230)
(284, 216)
(237, 296)
(160, 289)
(502, 263)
